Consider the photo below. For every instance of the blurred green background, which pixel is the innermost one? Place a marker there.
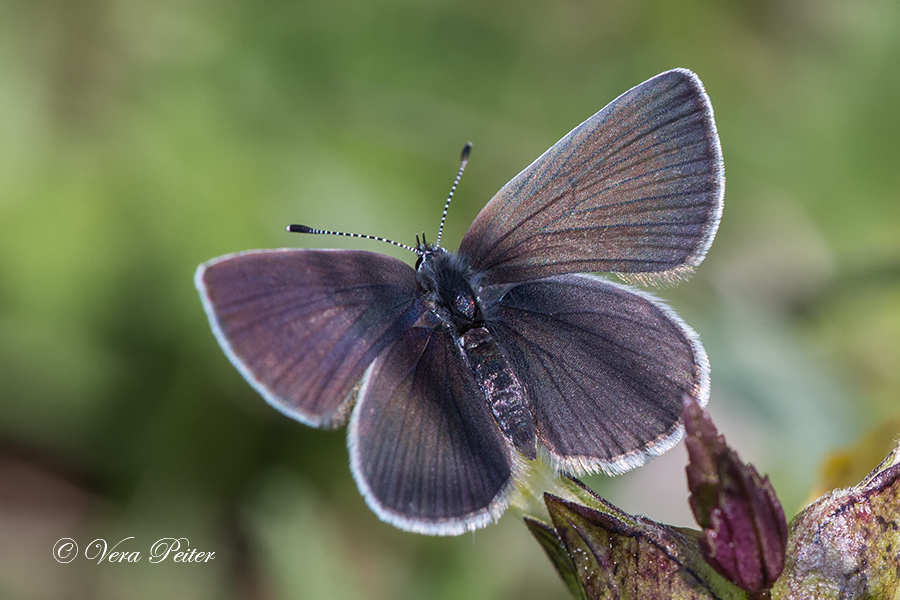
(139, 139)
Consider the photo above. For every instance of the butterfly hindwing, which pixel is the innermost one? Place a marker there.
(424, 448)
(605, 368)
(302, 326)
(637, 188)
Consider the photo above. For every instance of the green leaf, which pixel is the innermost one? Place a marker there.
(847, 543)
(550, 542)
(616, 555)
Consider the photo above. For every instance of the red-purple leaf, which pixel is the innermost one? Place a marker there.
(744, 528)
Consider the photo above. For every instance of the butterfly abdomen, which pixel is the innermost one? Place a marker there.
(502, 390)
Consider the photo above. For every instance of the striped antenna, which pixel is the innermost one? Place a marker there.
(305, 229)
(463, 161)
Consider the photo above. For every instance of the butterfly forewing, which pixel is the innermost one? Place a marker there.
(302, 326)
(424, 447)
(637, 188)
(605, 369)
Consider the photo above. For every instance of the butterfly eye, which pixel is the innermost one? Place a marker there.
(465, 305)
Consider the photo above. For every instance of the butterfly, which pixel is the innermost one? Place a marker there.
(454, 374)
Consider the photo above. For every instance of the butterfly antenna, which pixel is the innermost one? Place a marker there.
(305, 229)
(463, 161)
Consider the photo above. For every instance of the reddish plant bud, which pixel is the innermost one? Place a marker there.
(744, 528)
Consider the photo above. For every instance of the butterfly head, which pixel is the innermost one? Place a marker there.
(451, 286)
(425, 251)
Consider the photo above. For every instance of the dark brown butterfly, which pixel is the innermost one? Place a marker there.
(456, 373)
